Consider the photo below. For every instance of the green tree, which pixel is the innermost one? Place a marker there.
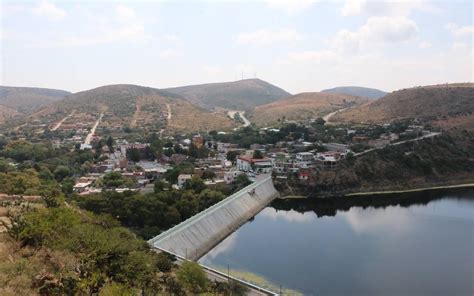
(232, 155)
(195, 184)
(110, 142)
(192, 277)
(133, 154)
(113, 179)
(208, 198)
(158, 186)
(257, 154)
(61, 172)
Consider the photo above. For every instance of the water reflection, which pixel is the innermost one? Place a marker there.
(290, 216)
(374, 220)
(412, 244)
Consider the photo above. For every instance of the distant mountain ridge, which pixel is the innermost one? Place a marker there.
(136, 107)
(447, 104)
(238, 95)
(358, 91)
(303, 106)
(28, 99)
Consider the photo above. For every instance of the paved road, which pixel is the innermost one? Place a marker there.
(232, 113)
(430, 135)
(328, 116)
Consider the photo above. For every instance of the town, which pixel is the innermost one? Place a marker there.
(294, 150)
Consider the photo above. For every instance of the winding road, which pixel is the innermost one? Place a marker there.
(328, 116)
(430, 135)
(231, 114)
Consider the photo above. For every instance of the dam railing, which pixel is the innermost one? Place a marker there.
(216, 273)
(200, 233)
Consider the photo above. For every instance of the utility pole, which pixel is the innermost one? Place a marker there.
(228, 273)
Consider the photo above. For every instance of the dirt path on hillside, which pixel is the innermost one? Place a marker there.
(63, 120)
(136, 115)
(92, 132)
(168, 119)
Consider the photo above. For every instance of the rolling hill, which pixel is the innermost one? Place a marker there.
(238, 95)
(7, 113)
(135, 107)
(29, 99)
(357, 91)
(451, 105)
(303, 106)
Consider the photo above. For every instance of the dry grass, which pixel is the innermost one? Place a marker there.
(187, 117)
(437, 102)
(7, 113)
(303, 106)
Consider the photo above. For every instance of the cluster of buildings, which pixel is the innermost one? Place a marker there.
(287, 158)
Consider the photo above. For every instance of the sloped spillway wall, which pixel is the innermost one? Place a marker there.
(197, 235)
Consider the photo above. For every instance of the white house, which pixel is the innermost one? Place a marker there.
(81, 186)
(258, 166)
(304, 159)
(182, 179)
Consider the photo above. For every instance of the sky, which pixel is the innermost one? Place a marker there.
(299, 45)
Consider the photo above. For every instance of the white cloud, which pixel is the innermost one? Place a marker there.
(460, 31)
(385, 8)
(7, 9)
(124, 26)
(290, 6)
(265, 37)
(124, 13)
(460, 46)
(311, 57)
(170, 38)
(49, 10)
(425, 45)
(169, 53)
(377, 30)
(213, 71)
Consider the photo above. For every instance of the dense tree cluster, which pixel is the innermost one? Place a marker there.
(149, 214)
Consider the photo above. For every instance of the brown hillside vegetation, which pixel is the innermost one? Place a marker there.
(303, 106)
(238, 95)
(7, 113)
(29, 99)
(443, 104)
(135, 106)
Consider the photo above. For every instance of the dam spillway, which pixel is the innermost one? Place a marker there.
(197, 235)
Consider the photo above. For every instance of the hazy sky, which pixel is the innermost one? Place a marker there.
(299, 45)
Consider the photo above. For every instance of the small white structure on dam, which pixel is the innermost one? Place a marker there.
(197, 235)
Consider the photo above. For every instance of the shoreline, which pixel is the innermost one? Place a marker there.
(464, 185)
(382, 192)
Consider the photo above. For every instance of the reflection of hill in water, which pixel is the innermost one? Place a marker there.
(329, 206)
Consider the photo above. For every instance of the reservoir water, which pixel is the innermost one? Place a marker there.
(405, 244)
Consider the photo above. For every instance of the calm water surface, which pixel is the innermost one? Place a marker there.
(420, 248)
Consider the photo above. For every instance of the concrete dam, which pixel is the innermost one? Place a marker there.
(194, 237)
